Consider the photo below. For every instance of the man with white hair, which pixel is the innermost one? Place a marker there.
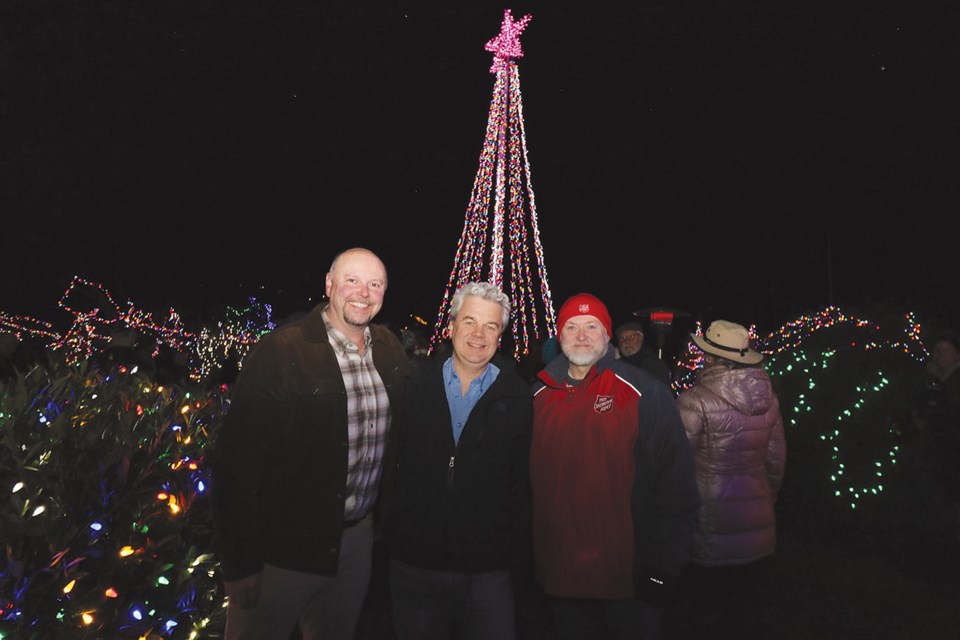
(614, 493)
(458, 522)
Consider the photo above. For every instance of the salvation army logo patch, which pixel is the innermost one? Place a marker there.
(603, 404)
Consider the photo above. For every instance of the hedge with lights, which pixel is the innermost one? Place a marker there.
(105, 522)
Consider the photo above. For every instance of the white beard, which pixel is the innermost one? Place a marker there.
(582, 358)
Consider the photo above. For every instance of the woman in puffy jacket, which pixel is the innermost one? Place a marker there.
(732, 418)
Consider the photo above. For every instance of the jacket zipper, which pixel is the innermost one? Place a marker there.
(450, 465)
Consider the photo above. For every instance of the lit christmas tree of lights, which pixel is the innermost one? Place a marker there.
(502, 186)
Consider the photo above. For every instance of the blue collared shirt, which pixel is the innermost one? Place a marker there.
(462, 404)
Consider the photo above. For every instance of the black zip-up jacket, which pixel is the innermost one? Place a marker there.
(463, 507)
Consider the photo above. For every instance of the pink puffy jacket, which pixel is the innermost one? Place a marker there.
(732, 419)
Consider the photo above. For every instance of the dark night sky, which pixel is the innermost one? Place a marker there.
(750, 160)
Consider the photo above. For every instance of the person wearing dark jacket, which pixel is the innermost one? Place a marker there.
(458, 523)
(632, 349)
(296, 466)
(614, 493)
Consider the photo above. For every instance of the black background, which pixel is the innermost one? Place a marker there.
(750, 160)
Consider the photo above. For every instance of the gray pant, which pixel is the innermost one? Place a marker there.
(325, 608)
(442, 605)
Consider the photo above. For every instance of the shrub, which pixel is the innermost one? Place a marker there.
(105, 521)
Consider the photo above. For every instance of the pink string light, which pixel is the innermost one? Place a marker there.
(501, 217)
(506, 44)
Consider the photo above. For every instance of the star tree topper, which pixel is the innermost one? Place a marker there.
(507, 43)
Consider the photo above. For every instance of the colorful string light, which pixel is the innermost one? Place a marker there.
(95, 325)
(502, 208)
(125, 547)
(103, 555)
(800, 372)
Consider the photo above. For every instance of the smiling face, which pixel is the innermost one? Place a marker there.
(355, 285)
(583, 339)
(475, 332)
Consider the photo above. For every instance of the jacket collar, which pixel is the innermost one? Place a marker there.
(314, 329)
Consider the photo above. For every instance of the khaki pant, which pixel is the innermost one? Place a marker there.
(324, 608)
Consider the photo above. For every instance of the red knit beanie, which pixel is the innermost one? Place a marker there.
(584, 304)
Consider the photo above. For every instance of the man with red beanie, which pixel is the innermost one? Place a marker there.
(614, 490)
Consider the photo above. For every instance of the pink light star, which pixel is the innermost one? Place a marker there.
(507, 43)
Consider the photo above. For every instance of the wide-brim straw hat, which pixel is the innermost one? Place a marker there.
(727, 340)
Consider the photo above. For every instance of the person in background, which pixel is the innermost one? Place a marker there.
(937, 401)
(614, 494)
(550, 350)
(9, 344)
(297, 463)
(941, 446)
(20, 353)
(416, 346)
(732, 418)
(458, 522)
(944, 366)
(125, 351)
(632, 350)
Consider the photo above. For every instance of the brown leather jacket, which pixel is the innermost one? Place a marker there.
(279, 463)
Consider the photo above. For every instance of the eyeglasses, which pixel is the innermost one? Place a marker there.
(630, 336)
